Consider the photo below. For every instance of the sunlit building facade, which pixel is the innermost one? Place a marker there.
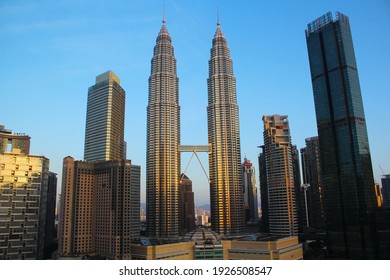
(346, 169)
(23, 205)
(226, 199)
(104, 130)
(283, 220)
(163, 140)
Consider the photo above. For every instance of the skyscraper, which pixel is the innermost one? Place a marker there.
(349, 195)
(224, 135)
(283, 220)
(186, 206)
(163, 140)
(311, 171)
(104, 130)
(249, 191)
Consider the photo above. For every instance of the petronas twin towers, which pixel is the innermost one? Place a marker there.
(163, 141)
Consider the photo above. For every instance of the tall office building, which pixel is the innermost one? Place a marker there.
(283, 220)
(9, 141)
(163, 140)
(224, 135)
(349, 195)
(386, 190)
(104, 130)
(23, 205)
(311, 171)
(249, 191)
(186, 206)
(99, 208)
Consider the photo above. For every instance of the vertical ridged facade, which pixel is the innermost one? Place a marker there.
(226, 198)
(346, 168)
(163, 140)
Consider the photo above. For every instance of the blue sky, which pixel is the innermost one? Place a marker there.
(51, 52)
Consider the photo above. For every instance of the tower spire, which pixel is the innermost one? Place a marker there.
(164, 20)
(218, 22)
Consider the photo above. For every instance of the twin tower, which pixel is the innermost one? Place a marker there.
(163, 141)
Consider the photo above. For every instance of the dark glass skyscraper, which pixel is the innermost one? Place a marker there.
(349, 196)
(163, 140)
(226, 197)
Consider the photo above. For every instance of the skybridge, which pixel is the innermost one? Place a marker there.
(195, 149)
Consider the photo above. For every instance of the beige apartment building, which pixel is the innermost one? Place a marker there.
(99, 208)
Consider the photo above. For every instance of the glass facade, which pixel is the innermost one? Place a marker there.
(347, 176)
(104, 130)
